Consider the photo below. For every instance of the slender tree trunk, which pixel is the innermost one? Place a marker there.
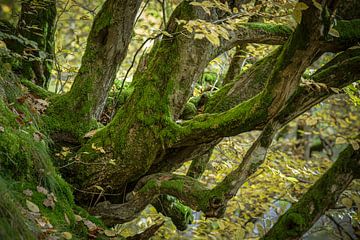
(322, 196)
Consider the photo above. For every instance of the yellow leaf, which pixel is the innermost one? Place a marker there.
(78, 218)
(99, 188)
(67, 235)
(317, 5)
(198, 36)
(347, 202)
(5, 8)
(354, 144)
(292, 179)
(166, 33)
(213, 39)
(340, 140)
(333, 32)
(297, 15)
(32, 207)
(311, 121)
(110, 233)
(301, 6)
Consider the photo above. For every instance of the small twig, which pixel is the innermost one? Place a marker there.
(141, 11)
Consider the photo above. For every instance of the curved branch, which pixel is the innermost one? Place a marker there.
(186, 189)
(253, 114)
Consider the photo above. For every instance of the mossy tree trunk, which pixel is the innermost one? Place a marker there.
(37, 23)
(144, 142)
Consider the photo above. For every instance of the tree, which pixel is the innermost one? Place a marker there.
(137, 151)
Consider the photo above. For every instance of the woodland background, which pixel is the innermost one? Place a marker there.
(300, 153)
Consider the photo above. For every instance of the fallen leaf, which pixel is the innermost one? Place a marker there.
(37, 136)
(32, 207)
(52, 196)
(28, 192)
(49, 203)
(90, 134)
(99, 188)
(67, 219)
(2, 129)
(40, 105)
(110, 233)
(67, 235)
(78, 218)
(42, 190)
(90, 225)
(347, 202)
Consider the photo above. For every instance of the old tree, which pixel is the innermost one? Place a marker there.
(120, 168)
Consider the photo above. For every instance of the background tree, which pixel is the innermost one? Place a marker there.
(118, 169)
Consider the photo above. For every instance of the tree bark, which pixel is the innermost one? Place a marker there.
(37, 23)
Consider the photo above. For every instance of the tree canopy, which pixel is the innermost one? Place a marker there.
(110, 107)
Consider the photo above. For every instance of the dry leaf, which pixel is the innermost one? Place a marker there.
(90, 134)
(110, 233)
(67, 219)
(28, 192)
(37, 136)
(78, 218)
(90, 225)
(32, 207)
(42, 190)
(67, 235)
(2, 129)
(52, 196)
(49, 203)
(41, 105)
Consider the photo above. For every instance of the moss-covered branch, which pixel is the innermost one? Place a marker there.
(186, 189)
(338, 73)
(322, 196)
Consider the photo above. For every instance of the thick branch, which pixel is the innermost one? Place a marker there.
(188, 190)
(106, 48)
(322, 196)
(249, 115)
(254, 157)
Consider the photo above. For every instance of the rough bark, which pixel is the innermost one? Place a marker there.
(37, 23)
(106, 48)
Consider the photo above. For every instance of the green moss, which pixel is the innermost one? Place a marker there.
(13, 223)
(348, 30)
(59, 118)
(35, 89)
(189, 111)
(150, 185)
(176, 185)
(270, 28)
